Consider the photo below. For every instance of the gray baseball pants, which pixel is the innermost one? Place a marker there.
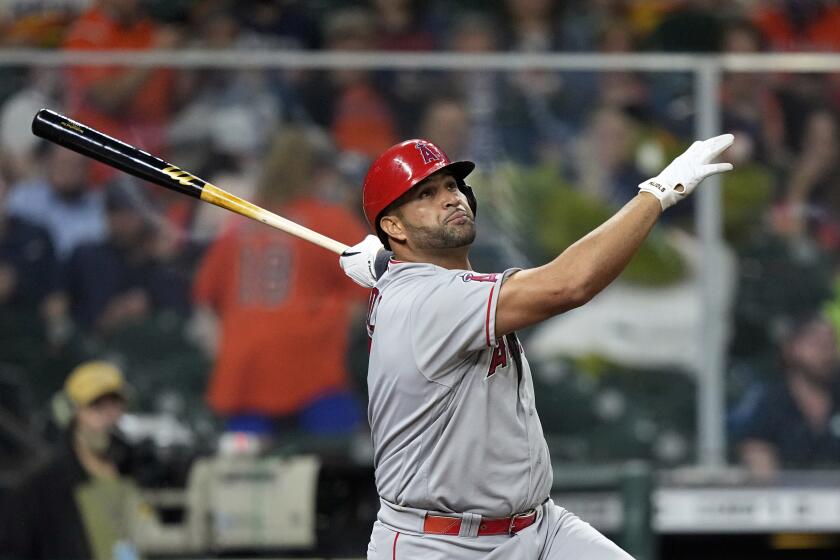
(556, 534)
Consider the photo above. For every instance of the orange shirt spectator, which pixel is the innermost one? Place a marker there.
(819, 31)
(358, 115)
(363, 121)
(132, 104)
(284, 307)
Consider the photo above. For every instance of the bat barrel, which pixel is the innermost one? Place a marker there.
(75, 136)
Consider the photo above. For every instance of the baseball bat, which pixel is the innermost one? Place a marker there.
(87, 141)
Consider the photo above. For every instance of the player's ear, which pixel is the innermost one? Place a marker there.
(393, 227)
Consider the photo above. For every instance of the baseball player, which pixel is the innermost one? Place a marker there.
(462, 467)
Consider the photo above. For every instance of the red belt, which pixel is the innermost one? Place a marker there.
(446, 525)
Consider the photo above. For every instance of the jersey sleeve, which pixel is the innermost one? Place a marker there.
(453, 319)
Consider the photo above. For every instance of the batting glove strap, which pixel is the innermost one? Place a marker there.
(667, 194)
(682, 175)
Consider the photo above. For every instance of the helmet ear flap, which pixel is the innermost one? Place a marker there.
(382, 237)
(468, 192)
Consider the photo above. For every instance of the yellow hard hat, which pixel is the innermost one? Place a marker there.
(91, 380)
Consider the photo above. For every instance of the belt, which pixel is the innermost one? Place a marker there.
(448, 525)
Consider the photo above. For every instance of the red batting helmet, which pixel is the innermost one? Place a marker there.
(401, 167)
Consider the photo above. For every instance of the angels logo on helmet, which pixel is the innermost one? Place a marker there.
(429, 152)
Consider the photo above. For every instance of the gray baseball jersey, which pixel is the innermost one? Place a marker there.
(451, 410)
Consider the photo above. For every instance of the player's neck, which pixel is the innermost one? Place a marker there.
(451, 259)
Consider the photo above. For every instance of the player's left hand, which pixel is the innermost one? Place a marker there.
(678, 180)
(362, 262)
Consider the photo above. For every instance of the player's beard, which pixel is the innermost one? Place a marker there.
(447, 236)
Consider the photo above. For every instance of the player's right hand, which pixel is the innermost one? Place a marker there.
(678, 180)
(360, 262)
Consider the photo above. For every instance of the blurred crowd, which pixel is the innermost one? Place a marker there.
(232, 327)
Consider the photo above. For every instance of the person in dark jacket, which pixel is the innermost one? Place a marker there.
(78, 504)
(794, 422)
(130, 275)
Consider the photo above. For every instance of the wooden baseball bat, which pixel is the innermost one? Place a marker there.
(87, 141)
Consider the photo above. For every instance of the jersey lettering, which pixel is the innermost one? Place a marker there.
(428, 152)
(373, 302)
(500, 357)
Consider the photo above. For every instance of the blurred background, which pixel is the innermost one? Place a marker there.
(692, 409)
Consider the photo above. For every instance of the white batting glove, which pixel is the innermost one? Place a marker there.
(359, 261)
(678, 180)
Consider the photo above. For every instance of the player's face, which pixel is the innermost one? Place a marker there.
(437, 215)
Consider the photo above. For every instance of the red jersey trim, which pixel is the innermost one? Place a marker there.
(394, 551)
(487, 318)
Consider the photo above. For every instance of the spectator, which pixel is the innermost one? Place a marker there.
(624, 90)
(799, 25)
(446, 122)
(18, 146)
(80, 503)
(61, 201)
(515, 114)
(749, 104)
(511, 115)
(37, 24)
(581, 23)
(279, 300)
(401, 26)
(28, 268)
(231, 112)
(794, 423)
(28, 24)
(531, 25)
(284, 25)
(475, 33)
(347, 101)
(691, 26)
(811, 196)
(608, 166)
(405, 25)
(549, 25)
(130, 275)
(33, 311)
(133, 104)
(226, 125)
